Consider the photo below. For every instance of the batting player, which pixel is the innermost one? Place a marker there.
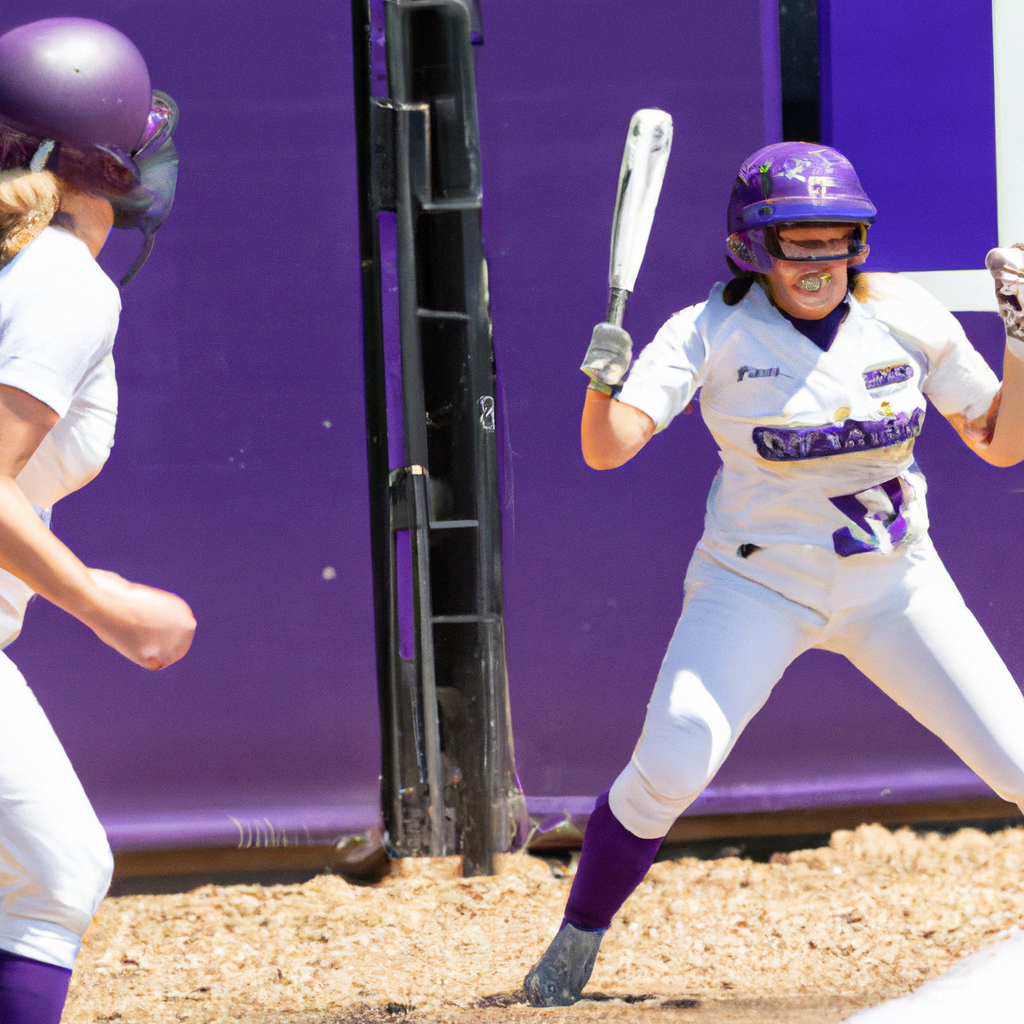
(813, 381)
(84, 143)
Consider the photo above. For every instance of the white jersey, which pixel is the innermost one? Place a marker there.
(816, 446)
(58, 318)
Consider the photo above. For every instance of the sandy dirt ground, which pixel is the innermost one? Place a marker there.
(807, 939)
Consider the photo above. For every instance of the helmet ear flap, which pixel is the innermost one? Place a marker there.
(749, 252)
(147, 207)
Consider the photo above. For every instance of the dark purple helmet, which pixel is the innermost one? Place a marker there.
(75, 98)
(793, 182)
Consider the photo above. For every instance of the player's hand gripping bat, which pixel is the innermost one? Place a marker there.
(648, 143)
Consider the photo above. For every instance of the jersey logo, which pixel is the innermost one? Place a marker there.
(884, 376)
(754, 371)
(819, 184)
(786, 444)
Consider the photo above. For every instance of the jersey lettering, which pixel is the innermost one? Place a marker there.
(884, 376)
(754, 371)
(786, 444)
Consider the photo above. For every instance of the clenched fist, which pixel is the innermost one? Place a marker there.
(151, 627)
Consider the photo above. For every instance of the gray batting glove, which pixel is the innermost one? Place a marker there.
(1007, 268)
(609, 355)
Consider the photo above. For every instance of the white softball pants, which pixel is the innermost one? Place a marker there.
(55, 863)
(897, 617)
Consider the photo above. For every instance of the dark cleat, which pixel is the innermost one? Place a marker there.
(563, 970)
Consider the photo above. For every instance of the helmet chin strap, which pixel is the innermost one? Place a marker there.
(41, 155)
(147, 248)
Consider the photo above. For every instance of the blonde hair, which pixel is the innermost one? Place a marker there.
(28, 201)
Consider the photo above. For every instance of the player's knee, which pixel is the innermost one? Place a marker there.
(682, 782)
(679, 765)
(642, 807)
(686, 735)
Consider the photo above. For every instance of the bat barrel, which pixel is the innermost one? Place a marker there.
(648, 143)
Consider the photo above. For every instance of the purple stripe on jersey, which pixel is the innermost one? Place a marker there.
(31, 992)
(846, 544)
(786, 444)
(886, 375)
(854, 510)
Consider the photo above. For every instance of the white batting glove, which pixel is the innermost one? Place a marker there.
(1007, 268)
(609, 355)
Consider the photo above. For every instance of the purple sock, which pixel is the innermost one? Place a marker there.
(613, 863)
(31, 992)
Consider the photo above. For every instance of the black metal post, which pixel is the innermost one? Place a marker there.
(449, 776)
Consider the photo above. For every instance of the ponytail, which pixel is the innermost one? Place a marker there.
(857, 283)
(741, 283)
(28, 201)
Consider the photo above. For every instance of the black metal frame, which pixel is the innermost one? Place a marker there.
(448, 778)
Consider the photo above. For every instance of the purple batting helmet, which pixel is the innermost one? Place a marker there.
(75, 98)
(793, 182)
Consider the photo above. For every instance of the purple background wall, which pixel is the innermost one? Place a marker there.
(910, 100)
(586, 635)
(594, 562)
(241, 341)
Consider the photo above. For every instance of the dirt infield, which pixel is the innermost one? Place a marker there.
(811, 937)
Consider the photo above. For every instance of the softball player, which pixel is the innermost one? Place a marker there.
(84, 144)
(813, 382)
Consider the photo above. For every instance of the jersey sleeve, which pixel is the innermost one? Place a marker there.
(669, 370)
(53, 333)
(958, 380)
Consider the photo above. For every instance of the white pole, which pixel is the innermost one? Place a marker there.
(1008, 50)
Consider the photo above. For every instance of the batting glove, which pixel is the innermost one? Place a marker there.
(1007, 268)
(609, 355)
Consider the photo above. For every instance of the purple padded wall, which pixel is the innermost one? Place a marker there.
(240, 342)
(908, 97)
(595, 561)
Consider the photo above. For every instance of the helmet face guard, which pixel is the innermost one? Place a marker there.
(794, 184)
(147, 205)
(759, 249)
(104, 131)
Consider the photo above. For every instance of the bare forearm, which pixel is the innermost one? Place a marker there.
(150, 627)
(998, 436)
(612, 432)
(1007, 445)
(29, 551)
